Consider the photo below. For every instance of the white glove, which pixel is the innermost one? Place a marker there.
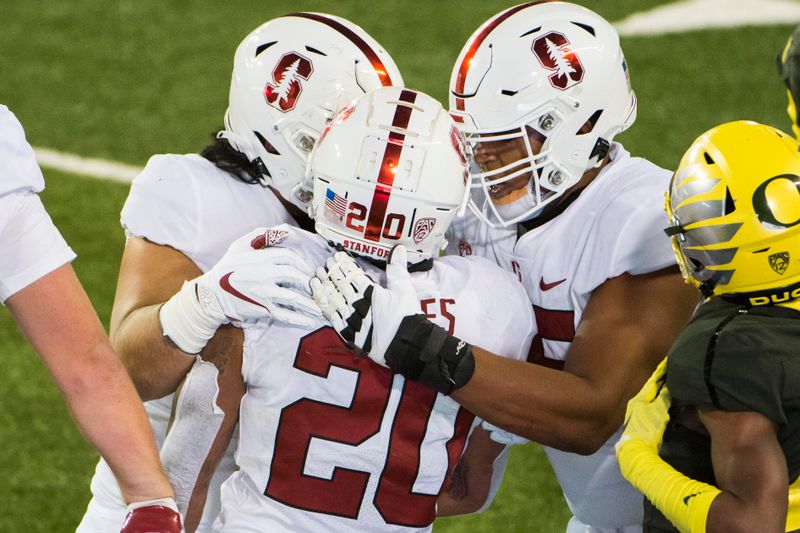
(388, 325)
(255, 278)
(366, 315)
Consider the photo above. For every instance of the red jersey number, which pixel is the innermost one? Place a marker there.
(554, 325)
(343, 493)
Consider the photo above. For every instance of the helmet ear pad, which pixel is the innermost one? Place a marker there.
(557, 68)
(734, 208)
(290, 75)
(390, 169)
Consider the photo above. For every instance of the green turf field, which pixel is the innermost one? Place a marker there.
(126, 79)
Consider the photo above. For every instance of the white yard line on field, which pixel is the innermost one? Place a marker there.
(94, 168)
(685, 15)
(700, 14)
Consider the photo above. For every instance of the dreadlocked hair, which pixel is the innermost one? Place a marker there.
(227, 158)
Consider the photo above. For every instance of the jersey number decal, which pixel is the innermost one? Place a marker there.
(553, 325)
(393, 226)
(342, 494)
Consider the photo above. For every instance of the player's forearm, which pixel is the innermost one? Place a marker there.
(476, 477)
(57, 317)
(155, 365)
(684, 501)
(530, 401)
(109, 413)
(730, 514)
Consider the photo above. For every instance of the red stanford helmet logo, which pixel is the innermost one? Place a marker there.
(287, 75)
(552, 52)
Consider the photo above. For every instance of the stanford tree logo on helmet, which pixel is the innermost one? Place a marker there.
(291, 68)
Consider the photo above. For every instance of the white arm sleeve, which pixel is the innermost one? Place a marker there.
(197, 420)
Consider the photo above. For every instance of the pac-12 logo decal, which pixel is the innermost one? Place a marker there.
(553, 53)
(779, 262)
(423, 228)
(288, 74)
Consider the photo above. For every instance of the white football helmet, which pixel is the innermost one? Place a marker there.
(290, 76)
(549, 80)
(391, 169)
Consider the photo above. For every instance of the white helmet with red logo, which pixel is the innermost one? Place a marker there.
(543, 72)
(290, 76)
(391, 169)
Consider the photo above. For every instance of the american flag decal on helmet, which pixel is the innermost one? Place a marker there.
(423, 228)
(335, 206)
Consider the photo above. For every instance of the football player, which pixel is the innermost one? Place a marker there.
(789, 70)
(329, 440)
(540, 90)
(289, 77)
(39, 287)
(730, 451)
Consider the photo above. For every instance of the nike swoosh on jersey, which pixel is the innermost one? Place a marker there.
(547, 286)
(225, 283)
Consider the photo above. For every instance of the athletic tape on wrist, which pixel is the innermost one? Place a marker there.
(422, 351)
(185, 322)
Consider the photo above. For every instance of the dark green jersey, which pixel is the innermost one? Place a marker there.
(732, 358)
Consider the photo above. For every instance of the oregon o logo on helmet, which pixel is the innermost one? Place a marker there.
(777, 201)
(290, 69)
(552, 52)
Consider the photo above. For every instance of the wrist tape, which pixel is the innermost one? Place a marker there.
(186, 320)
(422, 351)
(169, 503)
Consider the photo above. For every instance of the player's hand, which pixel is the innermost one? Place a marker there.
(386, 323)
(789, 70)
(648, 412)
(366, 315)
(256, 278)
(153, 516)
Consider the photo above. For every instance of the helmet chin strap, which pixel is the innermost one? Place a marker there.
(526, 202)
(238, 142)
(788, 296)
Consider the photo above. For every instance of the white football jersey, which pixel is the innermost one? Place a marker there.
(18, 168)
(187, 203)
(330, 441)
(31, 246)
(615, 226)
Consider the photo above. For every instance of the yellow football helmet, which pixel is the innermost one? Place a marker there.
(734, 209)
